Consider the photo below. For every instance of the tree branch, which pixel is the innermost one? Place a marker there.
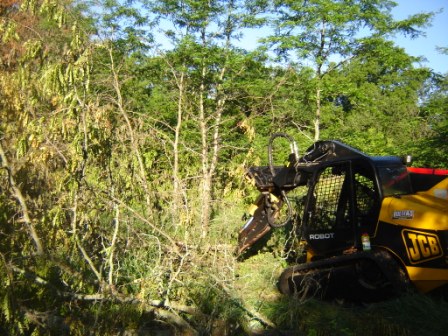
(17, 194)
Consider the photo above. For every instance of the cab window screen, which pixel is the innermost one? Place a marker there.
(331, 208)
(395, 181)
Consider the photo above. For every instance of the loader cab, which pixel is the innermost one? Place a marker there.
(344, 192)
(343, 202)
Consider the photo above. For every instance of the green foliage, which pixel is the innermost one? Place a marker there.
(121, 151)
(328, 33)
(375, 103)
(430, 149)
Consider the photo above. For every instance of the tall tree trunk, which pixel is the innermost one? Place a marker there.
(210, 151)
(318, 113)
(134, 143)
(321, 55)
(177, 192)
(206, 178)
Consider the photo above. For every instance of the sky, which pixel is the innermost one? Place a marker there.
(436, 35)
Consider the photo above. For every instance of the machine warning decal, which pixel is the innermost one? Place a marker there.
(421, 246)
(403, 214)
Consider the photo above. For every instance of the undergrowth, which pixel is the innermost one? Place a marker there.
(206, 291)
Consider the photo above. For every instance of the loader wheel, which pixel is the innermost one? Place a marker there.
(370, 275)
(381, 281)
(396, 274)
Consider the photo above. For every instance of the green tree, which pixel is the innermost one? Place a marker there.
(326, 33)
(430, 150)
(204, 63)
(374, 100)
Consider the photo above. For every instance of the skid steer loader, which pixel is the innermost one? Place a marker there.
(369, 227)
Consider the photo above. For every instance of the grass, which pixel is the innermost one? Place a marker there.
(414, 314)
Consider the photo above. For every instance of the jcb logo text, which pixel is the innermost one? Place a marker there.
(421, 246)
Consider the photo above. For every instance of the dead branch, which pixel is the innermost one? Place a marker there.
(17, 194)
(251, 313)
(136, 214)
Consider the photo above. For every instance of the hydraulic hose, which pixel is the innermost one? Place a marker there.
(270, 213)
